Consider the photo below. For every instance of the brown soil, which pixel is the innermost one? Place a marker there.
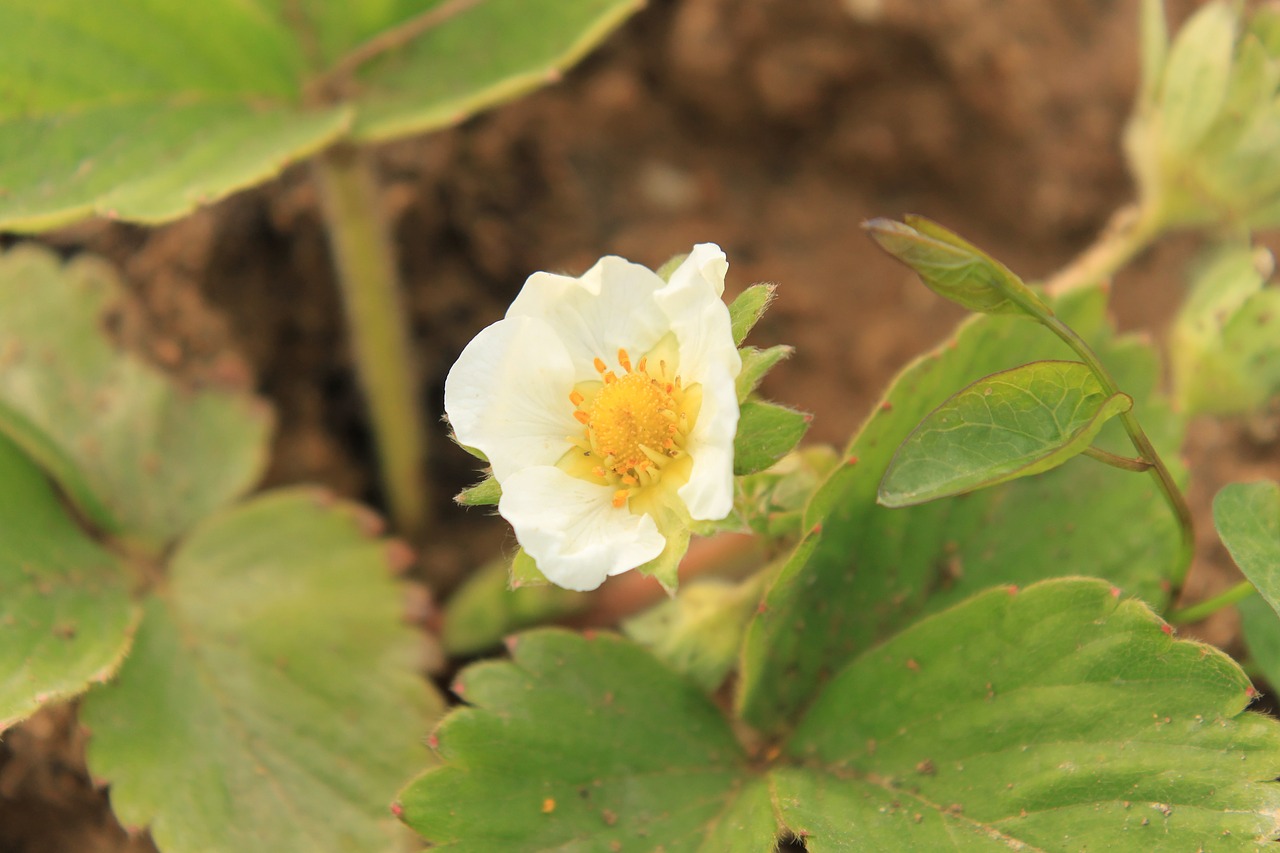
(773, 127)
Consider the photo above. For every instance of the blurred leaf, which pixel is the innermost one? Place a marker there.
(872, 570)
(140, 456)
(1248, 519)
(954, 268)
(66, 619)
(487, 492)
(756, 364)
(1059, 718)
(484, 610)
(1062, 718)
(699, 632)
(582, 744)
(1225, 344)
(748, 308)
(1155, 48)
(1011, 424)
(766, 433)
(142, 110)
(1196, 76)
(273, 666)
(1261, 629)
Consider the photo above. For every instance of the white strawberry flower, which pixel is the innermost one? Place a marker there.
(607, 409)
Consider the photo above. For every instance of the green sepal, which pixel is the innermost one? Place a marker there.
(766, 432)
(525, 572)
(954, 268)
(756, 364)
(673, 263)
(748, 308)
(487, 492)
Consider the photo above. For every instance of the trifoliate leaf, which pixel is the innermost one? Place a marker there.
(1016, 423)
(274, 666)
(1062, 717)
(142, 111)
(870, 570)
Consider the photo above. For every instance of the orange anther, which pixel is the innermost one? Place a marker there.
(610, 376)
(582, 417)
(643, 363)
(628, 479)
(620, 498)
(598, 471)
(600, 368)
(576, 398)
(624, 359)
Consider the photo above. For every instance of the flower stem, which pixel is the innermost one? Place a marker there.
(1146, 452)
(364, 258)
(1131, 229)
(1210, 606)
(1124, 463)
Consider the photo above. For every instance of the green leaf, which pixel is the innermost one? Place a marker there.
(871, 570)
(66, 620)
(748, 308)
(1248, 519)
(1064, 718)
(274, 667)
(484, 610)
(766, 432)
(487, 492)
(1058, 718)
(1012, 424)
(954, 268)
(139, 455)
(578, 744)
(1225, 345)
(142, 111)
(1196, 76)
(756, 364)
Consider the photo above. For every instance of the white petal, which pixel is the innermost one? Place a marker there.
(572, 530)
(508, 396)
(709, 492)
(698, 316)
(610, 307)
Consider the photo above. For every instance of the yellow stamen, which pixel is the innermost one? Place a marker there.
(624, 360)
(620, 498)
(600, 366)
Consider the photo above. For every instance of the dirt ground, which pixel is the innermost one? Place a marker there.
(773, 127)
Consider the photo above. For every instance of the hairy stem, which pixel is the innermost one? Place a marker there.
(1210, 606)
(1130, 230)
(1146, 452)
(364, 258)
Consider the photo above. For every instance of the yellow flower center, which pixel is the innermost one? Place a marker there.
(636, 426)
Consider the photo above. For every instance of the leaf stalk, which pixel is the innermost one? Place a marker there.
(364, 260)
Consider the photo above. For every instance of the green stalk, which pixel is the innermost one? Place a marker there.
(364, 259)
(1130, 230)
(1146, 452)
(1210, 606)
